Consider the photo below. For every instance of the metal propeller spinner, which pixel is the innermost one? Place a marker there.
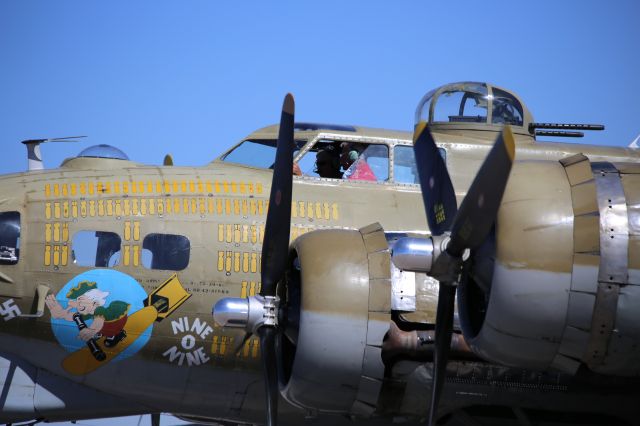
(259, 314)
(469, 226)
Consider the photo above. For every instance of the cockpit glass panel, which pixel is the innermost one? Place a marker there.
(9, 238)
(404, 164)
(466, 103)
(256, 153)
(506, 109)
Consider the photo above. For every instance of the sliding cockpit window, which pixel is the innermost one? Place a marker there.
(9, 238)
(259, 153)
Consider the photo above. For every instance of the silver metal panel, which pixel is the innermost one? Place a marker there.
(376, 330)
(584, 278)
(574, 343)
(403, 290)
(580, 310)
(565, 364)
(373, 366)
(368, 390)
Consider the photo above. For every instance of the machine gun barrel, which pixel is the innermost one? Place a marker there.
(564, 126)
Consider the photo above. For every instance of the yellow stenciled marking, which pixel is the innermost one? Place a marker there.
(101, 208)
(202, 205)
(438, 210)
(319, 210)
(65, 209)
(56, 255)
(250, 186)
(209, 187)
(228, 260)
(252, 207)
(167, 186)
(225, 187)
(92, 208)
(294, 233)
(56, 190)
(227, 207)
(219, 206)
(210, 206)
(134, 207)
(260, 207)
(334, 211)
(236, 262)
(65, 232)
(234, 187)
(217, 186)
(220, 261)
(151, 207)
(47, 255)
(118, 208)
(245, 262)
(192, 186)
(107, 188)
(99, 187)
(136, 255)
(74, 189)
(229, 233)
(294, 209)
(258, 188)
(127, 207)
(47, 190)
(236, 207)
(91, 188)
(243, 290)
(236, 233)
(141, 187)
(56, 210)
(302, 210)
(47, 210)
(127, 230)
(116, 187)
(168, 206)
(182, 187)
(254, 350)
(200, 186)
(83, 188)
(245, 233)
(47, 232)
(83, 208)
(159, 187)
(126, 256)
(252, 288)
(243, 188)
(185, 206)
(136, 231)
(310, 210)
(194, 206)
(109, 207)
(74, 209)
(325, 209)
(245, 207)
(64, 256)
(254, 234)
(261, 237)
(160, 207)
(220, 232)
(65, 190)
(254, 262)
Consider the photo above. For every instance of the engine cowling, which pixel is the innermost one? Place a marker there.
(342, 283)
(565, 281)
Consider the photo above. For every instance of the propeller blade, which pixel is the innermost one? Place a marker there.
(480, 206)
(444, 328)
(275, 246)
(269, 367)
(437, 191)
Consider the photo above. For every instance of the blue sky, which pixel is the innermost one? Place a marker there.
(193, 77)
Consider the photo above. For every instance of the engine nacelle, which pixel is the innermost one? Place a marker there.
(344, 287)
(565, 289)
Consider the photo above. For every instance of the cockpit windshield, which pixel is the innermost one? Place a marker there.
(257, 153)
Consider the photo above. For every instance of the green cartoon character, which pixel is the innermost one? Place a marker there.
(87, 302)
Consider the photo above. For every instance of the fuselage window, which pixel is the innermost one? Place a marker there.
(95, 249)
(404, 164)
(9, 238)
(355, 161)
(166, 251)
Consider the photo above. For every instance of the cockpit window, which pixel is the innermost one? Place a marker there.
(506, 108)
(9, 238)
(166, 251)
(355, 161)
(256, 153)
(404, 164)
(466, 104)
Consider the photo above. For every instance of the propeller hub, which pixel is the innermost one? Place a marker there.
(249, 313)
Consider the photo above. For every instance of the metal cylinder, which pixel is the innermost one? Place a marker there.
(231, 312)
(413, 254)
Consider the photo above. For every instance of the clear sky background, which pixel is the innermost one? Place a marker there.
(193, 77)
